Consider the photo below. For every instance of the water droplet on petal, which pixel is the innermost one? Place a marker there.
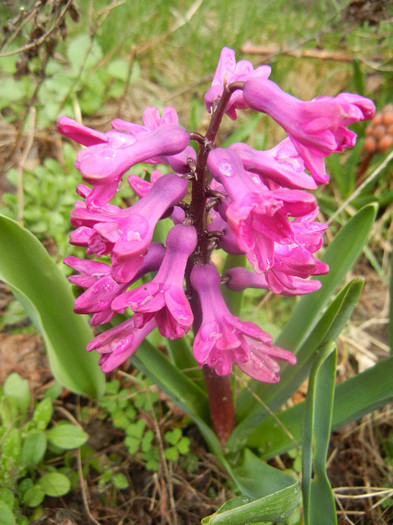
(226, 168)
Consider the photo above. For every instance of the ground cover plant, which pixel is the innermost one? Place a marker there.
(270, 450)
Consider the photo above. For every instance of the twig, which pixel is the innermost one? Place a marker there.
(22, 162)
(163, 461)
(320, 54)
(42, 39)
(82, 483)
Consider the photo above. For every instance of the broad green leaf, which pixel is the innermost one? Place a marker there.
(171, 453)
(136, 429)
(269, 494)
(359, 395)
(18, 388)
(7, 497)
(120, 481)
(7, 516)
(173, 436)
(8, 411)
(327, 329)
(33, 496)
(44, 292)
(42, 414)
(67, 436)
(318, 499)
(11, 445)
(54, 484)
(34, 447)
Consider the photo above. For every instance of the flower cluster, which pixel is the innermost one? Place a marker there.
(241, 200)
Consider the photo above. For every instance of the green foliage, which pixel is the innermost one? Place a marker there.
(49, 194)
(131, 407)
(27, 474)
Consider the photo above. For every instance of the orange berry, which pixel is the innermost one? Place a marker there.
(385, 143)
(377, 119)
(379, 131)
(370, 144)
(369, 130)
(387, 118)
(389, 129)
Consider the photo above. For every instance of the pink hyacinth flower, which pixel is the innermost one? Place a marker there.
(164, 298)
(126, 233)
(228, 71)
(317, 127)
(224, 340)
(110, 155)
(152, 120)
(101, 287)
(280, 165)
(119, 343)
(258, 217)
(288, 276)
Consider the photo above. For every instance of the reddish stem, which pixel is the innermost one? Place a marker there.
(222, 410)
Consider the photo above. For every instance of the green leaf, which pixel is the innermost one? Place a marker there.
(34, 447)
(172, 453)
(120, 481)
(7, 497)
(33, 496)
(8, 411)
(318, 500)
(147, 441)
(173, 436)
(136, 429)
(132, 444)
(67, 436)
(43, 290)
(11, 445)
(7, 516)
(18, 388)
(54, 484)
(42, 414)
(83, 51)
(269, 494)
(184, 445)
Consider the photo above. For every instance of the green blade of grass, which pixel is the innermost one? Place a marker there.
(318, 499)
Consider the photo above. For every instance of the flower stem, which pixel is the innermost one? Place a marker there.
(222, 410)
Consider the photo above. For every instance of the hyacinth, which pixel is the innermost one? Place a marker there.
(238, 199)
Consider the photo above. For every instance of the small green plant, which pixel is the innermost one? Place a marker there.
(48, 194)
(127, 406)
(28, 440)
